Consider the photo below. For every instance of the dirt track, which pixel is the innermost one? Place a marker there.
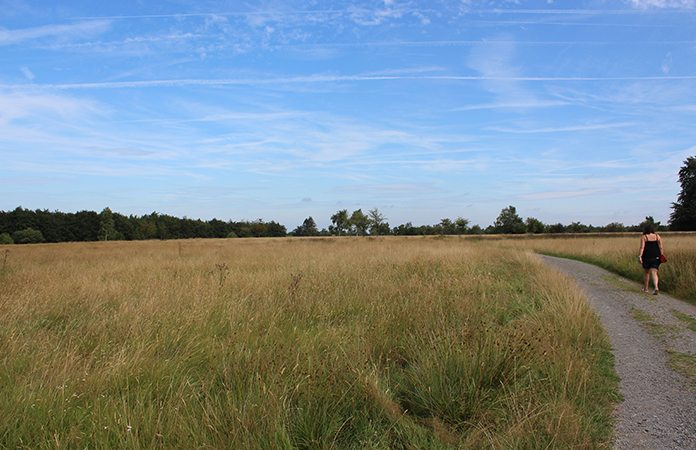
(659, 407)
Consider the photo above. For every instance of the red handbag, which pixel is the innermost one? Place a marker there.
(663, 259)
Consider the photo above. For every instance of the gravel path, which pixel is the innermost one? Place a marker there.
(659, 407)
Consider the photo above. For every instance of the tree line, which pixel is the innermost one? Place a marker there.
(26, 226)
(508, 222)
(22, 226)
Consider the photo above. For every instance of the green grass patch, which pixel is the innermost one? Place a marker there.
(648, 323)
(683, 363)
(687, 319)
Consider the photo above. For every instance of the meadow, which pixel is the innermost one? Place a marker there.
(299, 343)
(619, 254)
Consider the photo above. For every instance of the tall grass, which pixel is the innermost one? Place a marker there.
(297, 344)
(619, 254)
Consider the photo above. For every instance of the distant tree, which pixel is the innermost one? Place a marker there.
(683, 217)
(218, 228)
(6, 239)
(535, 226)
(377, 222)
(556, 228)
(649, 220)
(446, 226)
(162, 229)
(258, 228)
(461, 225)
(508, 222)
(274, 229)
(476, 229)
(614, 227)
(406, 229)
(244, 231)
(308, 228)
(28, 236)
(576, 227)
(108, 226)
(124, 226)
(359, 222)
(340, 221)
(147, 229)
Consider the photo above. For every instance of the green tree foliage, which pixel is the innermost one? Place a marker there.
(577, 227)
(683, 216)
(308, 228)
(258, 228)
(649, 220)
(534, 226)
(476, 229)
(108, 226)
(359, 222)
(614, 227)
(406, 229)
(508, 222)
(378, 223)
(556, 228)
(28, 236)
(274, 229)
(447, 227)
(461, 225)
(6, 239)
(90, 226)
(340, 222)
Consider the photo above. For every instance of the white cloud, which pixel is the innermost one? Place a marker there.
(565, 194)
(63, 32)
(21, 105)
(496, 62)
(396, 189)
(667, 63)
(602, 126)
(27, 73)
(677, 4)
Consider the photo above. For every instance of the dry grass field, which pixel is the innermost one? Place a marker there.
(335, 343)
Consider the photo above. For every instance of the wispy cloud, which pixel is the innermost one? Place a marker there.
(565, 194)
(517, 94)
(501, 71)
(603, 126)
(76, 30)
(509, 105)
(672, 4)
(19, 105)
(395, 189)
(27, 73)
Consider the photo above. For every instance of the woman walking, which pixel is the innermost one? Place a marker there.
(650, 256)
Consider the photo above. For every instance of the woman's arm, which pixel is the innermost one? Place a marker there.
(659, 242)
(642, 247)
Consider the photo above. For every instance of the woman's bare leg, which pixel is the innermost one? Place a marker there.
(646, 278)
(655, 278)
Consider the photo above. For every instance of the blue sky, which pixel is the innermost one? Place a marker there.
(569, 111)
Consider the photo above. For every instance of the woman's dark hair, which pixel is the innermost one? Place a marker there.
(649, 229)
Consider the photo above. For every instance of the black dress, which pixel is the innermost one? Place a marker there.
(651, 255)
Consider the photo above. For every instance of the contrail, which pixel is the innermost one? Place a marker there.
(321, 79)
